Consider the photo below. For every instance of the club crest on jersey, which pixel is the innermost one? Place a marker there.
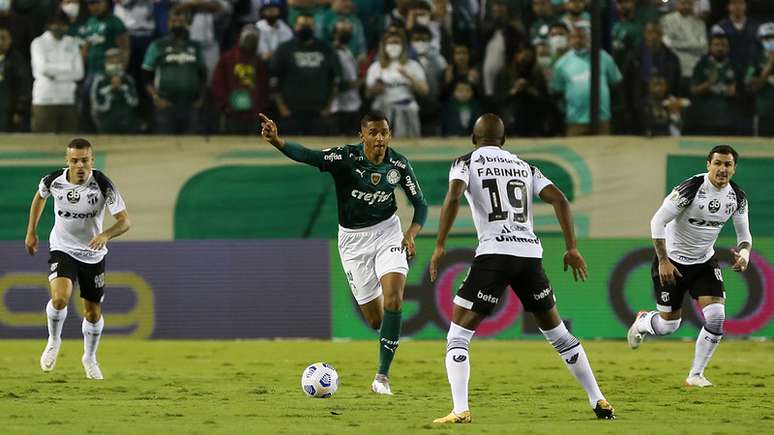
(729, 208)
(376, 177)
(713, 206)
(664, 296)
(73, 197)
(92, 198)
(393, 176)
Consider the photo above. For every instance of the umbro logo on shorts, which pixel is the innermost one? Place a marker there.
(573, 359)
(459, 358)
(54, 266)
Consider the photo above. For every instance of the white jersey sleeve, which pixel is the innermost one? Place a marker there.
(460, 170)
(665, 214)
(43, 190)
(742, 223)
(539, 181)
(114, 201)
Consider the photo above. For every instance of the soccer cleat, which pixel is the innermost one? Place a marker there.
(697, 381)
(604, 410)
(48, 359)
(381, 385)
(91, 368)
(634, 336)
(464, 417)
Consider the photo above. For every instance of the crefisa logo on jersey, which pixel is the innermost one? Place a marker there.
(393, 176)
(713, 206)
(73, 196)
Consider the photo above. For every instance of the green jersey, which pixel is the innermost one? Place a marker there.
(365, 192)
(101, 33)
(178, 67)
(764, 98)
(714, 107)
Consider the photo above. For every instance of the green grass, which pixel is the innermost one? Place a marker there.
(241, 387)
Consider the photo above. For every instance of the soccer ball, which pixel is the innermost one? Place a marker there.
(319, 380)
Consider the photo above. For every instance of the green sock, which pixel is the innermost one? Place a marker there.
(389, 335)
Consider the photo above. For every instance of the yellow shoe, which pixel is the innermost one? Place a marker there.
(604, 410)
(454, 418)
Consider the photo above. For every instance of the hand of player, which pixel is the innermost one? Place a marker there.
(668, 273)
(269, 130)
(31, 243)
(740, 264)
(99, 241)
(574, 259)
(408, 246)
(438, 253)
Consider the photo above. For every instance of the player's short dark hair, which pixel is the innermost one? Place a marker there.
(79, 143)
(374, 115)
(723, 149)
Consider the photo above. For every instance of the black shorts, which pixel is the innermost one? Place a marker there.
(703, 279)
(90, 277)
(490, 274)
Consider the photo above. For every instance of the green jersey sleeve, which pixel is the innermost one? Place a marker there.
(410, 185)
(327, 160)
(151, 57)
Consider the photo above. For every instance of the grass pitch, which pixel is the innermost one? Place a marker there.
(236, 387)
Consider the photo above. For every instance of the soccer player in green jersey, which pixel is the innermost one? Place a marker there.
(373, 249)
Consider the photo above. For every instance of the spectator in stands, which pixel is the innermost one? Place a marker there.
(626, 42)
(686, 35)
(175, 78)
(572, 79)
(18, 26)
(701, 8)
(201, 15)
(713, 88)
(14, 85)
(576, 14)
(461, 69)
(372, 16)
(461, 111)
(297, 8)
(101, 32)
(327, 19)
(56, 67)
(421, 15)
(434, 66)
(240, 85)
(77, 13)
(544, 17)
(521, 94)
(393, 82)
(658, 59)
(400, 14)
(114, 97)
(663, 112)
(760, 80)
(305, 74)
(346, 105)
(272, 31)
(501, 42)
(558, 40)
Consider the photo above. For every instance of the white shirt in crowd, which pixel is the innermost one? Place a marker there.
(347, 100)
(397, 87)
(687, 37)
(56, 66)
(270, 37)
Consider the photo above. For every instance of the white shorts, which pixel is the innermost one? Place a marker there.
(367, 254)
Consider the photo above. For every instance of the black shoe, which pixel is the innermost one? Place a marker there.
(604, 410)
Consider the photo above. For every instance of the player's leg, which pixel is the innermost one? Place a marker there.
(666, 319)
(91, 279)
(710, 293)
(62, 275)
(531, 285)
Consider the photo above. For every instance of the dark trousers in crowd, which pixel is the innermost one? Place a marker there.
(179, 118)
(54, 119)
(305, 123)
(347, 123)
(239, 126)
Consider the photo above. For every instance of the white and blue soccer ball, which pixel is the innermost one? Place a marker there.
(319, 380)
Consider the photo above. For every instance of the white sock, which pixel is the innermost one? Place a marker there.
(56, 320)
(706, 344)
(91, 334)
(653, 324)
(458, 365)
(575, 359)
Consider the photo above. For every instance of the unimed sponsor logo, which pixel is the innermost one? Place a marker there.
(502, 238)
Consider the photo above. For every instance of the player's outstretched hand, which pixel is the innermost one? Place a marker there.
(668, 273)
(438, 253)
(740, 264)
(408, 246)
(574, 259)
(98, 242)
(31, 243)
(269, 131)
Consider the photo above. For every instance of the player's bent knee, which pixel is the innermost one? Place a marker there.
(714, 318)
(59, 302)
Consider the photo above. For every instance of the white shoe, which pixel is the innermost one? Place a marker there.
(48, 359)
(381, 385)
(91, 367)
(697, 381)
(635, 337)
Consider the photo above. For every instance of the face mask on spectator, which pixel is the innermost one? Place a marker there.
(768, 44)
(345, 37)
(421, 47)
(113, 69)
(5, 5)
(544, 61)
(305, 33)
(557, 42)
(393, 50)
(71, 10)
(423, 20)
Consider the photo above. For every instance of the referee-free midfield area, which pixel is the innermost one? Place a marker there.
(254, 387)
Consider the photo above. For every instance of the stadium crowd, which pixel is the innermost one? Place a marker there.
(670, 67)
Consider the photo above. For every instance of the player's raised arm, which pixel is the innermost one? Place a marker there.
(552, 195)
(743, 238)
(36, 209)
(293, 150)
(451, 205)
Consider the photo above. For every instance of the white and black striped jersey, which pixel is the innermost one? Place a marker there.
(691, 218)
(500, 190)
(78, 212)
